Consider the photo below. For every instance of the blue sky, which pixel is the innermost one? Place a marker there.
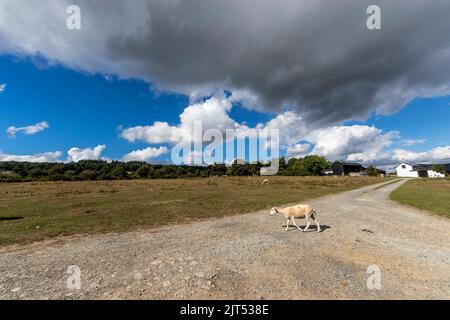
(82, 110)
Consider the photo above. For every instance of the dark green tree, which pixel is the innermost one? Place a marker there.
(316, 165)
(372, 171)
(440, 168)
(296, 167)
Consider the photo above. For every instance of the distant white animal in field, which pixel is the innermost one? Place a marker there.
(300, 211)
(265, 181)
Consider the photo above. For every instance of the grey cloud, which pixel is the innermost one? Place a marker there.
(315, 57)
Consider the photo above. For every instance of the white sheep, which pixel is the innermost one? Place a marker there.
(299, 211)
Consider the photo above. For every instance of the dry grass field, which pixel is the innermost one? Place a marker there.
(427, 194)
(36, 211)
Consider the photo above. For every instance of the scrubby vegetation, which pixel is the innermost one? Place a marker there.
(102, 170)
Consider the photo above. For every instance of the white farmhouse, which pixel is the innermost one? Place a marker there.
(406, 170)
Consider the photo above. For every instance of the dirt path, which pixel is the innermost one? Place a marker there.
(250, 256)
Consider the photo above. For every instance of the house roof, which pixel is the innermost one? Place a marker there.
(409, 164)
(352, 164)
(422, 166)
(425, 166)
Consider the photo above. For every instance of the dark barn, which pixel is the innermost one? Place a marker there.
(347, 168)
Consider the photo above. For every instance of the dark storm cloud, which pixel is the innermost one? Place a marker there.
(315, 57)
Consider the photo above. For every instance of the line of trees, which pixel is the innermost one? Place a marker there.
(102, 170)
(307, 166)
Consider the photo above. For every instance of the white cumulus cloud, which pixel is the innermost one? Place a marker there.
(299, 150)
(435, 154)
(354, 143)
(2, 87)
(212, 114)
(77, 154)
(145, 155)
(413, 142)
(40, 157)
(28, 130)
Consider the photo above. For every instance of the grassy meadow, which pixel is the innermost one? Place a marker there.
(41, 210)
(427, 194)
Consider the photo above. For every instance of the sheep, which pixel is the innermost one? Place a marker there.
(299, 211)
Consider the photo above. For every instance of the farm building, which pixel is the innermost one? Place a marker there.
(407, 170)
(381, 172)
(350, 169)
(347, 169)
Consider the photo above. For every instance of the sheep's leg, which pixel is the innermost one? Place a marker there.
(316, 222)
(287, 225)
(295, 224)
(308, 222)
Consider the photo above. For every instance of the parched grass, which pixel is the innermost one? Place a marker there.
(428, 194)
(41, 210)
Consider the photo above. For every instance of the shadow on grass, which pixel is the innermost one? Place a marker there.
(11, 218)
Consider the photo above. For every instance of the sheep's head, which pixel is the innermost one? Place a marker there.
(273, 211)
